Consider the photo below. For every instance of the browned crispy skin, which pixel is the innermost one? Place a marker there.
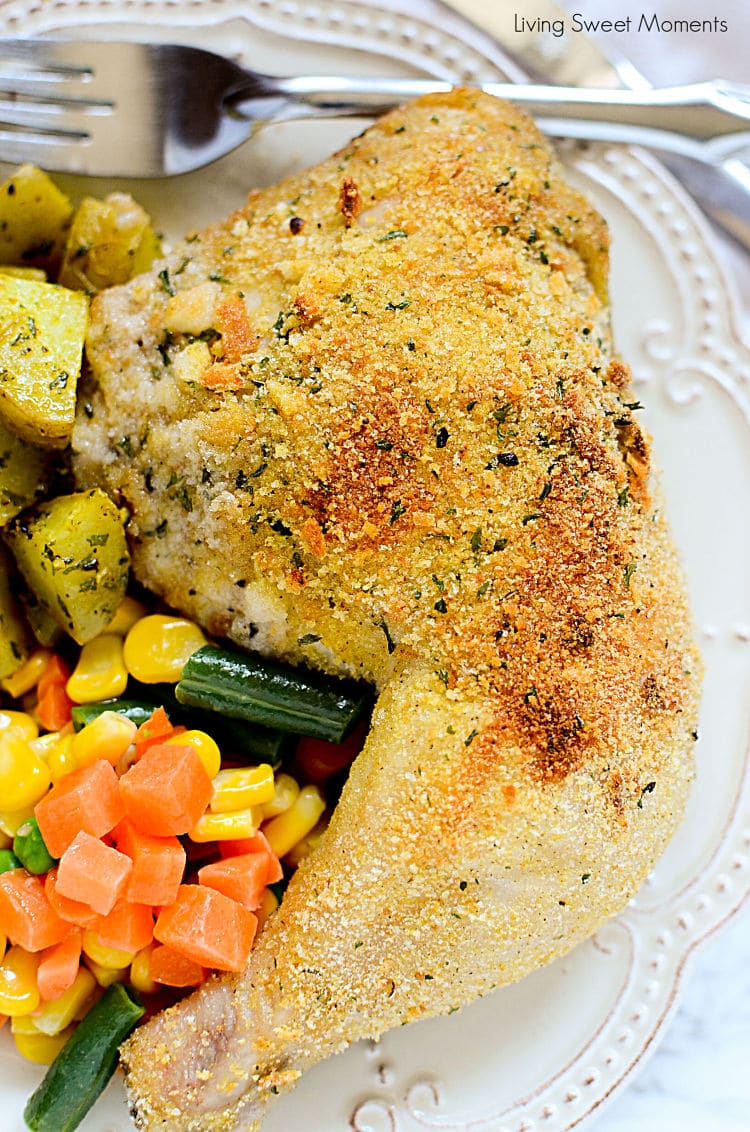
(410, 455)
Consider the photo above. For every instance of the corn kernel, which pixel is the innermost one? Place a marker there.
(295, 823)
(60, 758)
(286, 791)
(140, 972)
(269, 902)
(157, 648)
(305, 846)
(128, 612)
(24, 777)
(58, 1014)
(12, 820)
(100, 673)
(105, 976)
(87, 1003)
(19, 993)
(238, 789)
(27, 676)
(18, 723)
(106, 737)
(227, 827)
(23, 1024)
(40, 1048)
(110, 957)
(204, 746)
(43, 744)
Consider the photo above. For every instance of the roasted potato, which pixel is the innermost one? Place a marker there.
(42, 331)
(74, 557)
(37, 274)
(34, 217)
(15, 639)
(109, 241)
(41, 622)
(24, 472)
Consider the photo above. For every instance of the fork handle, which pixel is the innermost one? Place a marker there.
(693, 114)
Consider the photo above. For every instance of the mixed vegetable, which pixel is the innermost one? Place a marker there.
(156, 789)
(133, 848)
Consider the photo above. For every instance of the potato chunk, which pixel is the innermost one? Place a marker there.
(23, 473)
(15, 639)
(110, 241)
(37, 274)
(73, 554)
(42, 331)
(41, 622)
(34, 216)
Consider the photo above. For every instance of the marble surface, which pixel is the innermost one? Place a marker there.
(698, 1078)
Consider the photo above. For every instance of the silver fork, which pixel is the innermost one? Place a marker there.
(153, 110)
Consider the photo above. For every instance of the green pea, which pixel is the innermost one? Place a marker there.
(8, 861)
(29, 848)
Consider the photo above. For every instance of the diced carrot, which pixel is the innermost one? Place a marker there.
(71, 910)
(93, 873)
(155, 730)
(258, 843)
(158, 864)
(26, 915)
(58, 966)
(3, 1020)
(173, 969)
(53, 708)
(57, 673)
(166, 792)
(86, 799)
(240, 878)
(208, 927)
(315, 759)
(128, 927)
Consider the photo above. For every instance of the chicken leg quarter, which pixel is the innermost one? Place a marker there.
(373, 422)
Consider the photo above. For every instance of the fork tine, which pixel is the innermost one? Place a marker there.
(45, 73)
(44, 55)
(36, 65)
(30, 73)
(49, 95)
(13, 130)
(69, 118)
(59, 156)
(57, 123)
(43, 97)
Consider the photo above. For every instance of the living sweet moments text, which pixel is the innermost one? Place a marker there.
(646, 22)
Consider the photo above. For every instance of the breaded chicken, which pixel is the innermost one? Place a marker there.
(373, 422)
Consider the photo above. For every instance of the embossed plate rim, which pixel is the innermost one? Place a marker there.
(568, 1098)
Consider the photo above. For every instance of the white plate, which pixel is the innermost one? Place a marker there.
(546, 1053)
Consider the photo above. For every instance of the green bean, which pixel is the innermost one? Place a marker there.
(85, 1064)
(288, 699)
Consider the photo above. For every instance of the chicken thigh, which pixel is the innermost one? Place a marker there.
(373, 423)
